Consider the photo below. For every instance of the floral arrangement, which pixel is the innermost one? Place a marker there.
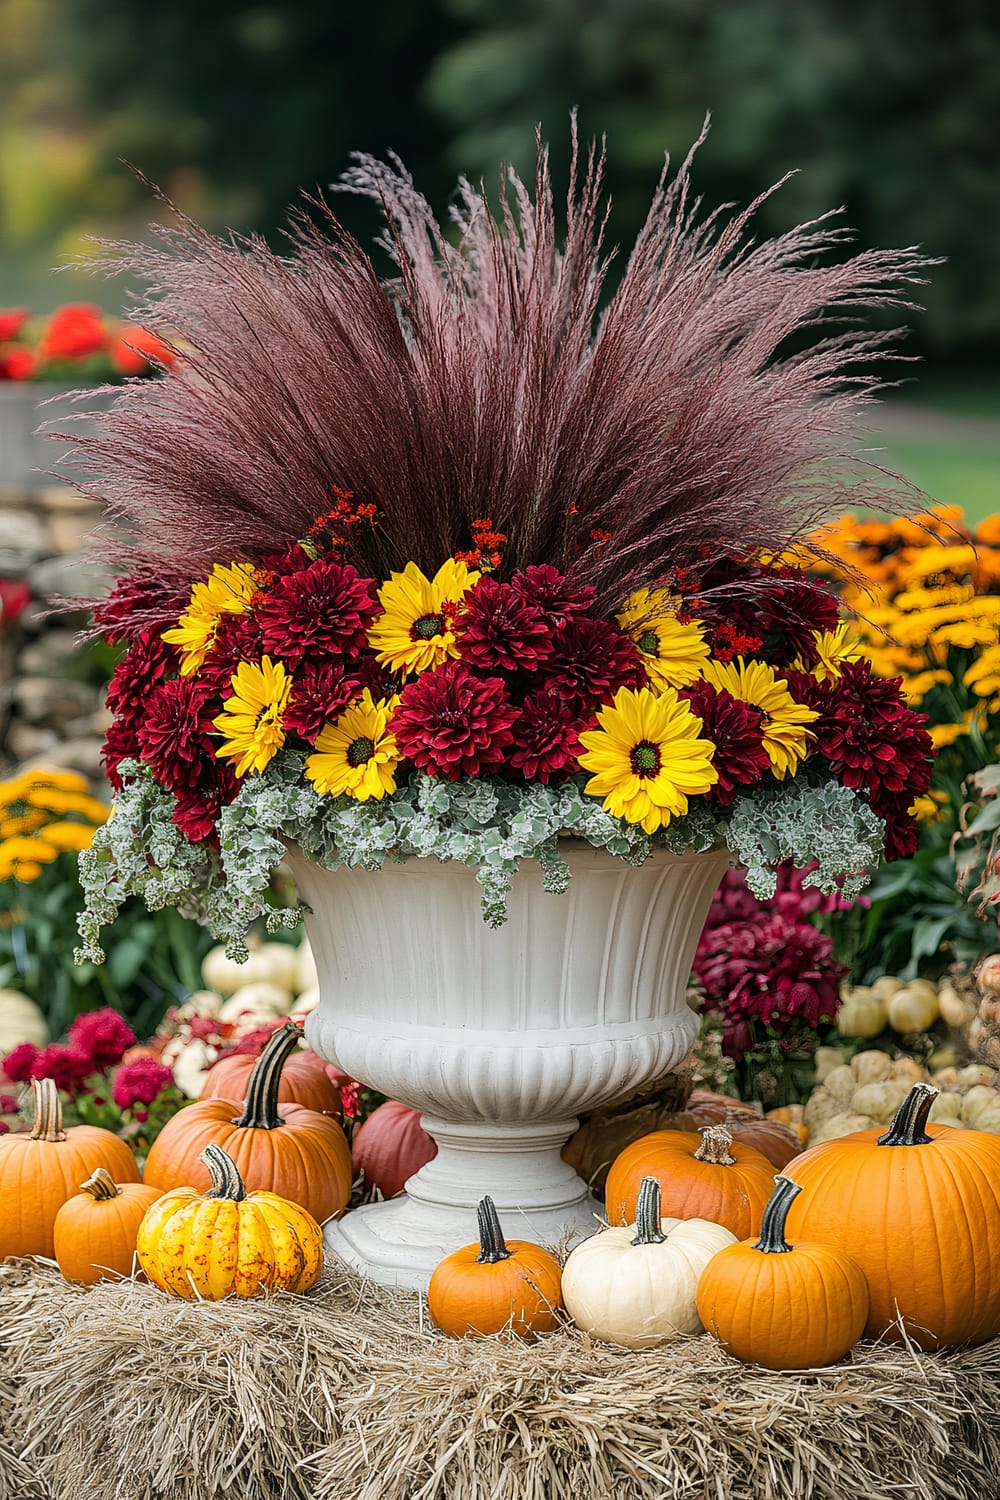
(455, 563)
(77, 342)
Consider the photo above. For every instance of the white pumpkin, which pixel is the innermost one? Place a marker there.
(256, 1003)
(914, 1008)
(21, 1020)
(224, 974)
(862, 1013)
(957, 1010)
(276, 963)
(976, 1102)
(636, 1285)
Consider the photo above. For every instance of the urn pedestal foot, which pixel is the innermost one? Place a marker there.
(537, 1196)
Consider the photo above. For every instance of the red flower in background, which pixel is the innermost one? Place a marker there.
(102, 1036)
(66, 1066)
(140, 1082)
(135, 349)
(17, 1065)
(15, 596)
(12, 320)
(17, 364)
(451, 723)
(73, 332)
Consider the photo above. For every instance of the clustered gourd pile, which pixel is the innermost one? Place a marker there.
(865, 1235)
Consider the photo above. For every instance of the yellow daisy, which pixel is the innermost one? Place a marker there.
(983, 677)
(53, 800)
(672, 653)
(23, 858)
(786, 736)
(414, 631)
(647, 757)
(228, 590)
(356, 754)
(251, 719)
(834, 648)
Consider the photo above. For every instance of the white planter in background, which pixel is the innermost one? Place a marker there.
(499, 1037)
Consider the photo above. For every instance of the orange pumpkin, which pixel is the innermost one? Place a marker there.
(792, 1116)
(707, 1177)
(918, 1207)
(390, 1146)
(95, 1230)
(38, 1172)
(286, 1149)
(785, 1306)
(304, 1079)
(495, 1285)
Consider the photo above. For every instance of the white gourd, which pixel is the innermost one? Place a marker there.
(256, 1003)
(21, 1020)
(914, 1008)
(861, 1013)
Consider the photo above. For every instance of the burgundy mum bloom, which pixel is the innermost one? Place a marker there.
(237, 638)
(17, 1065)
(138, 604)
(736, 731)
(198, 807)
(770, 611)
(144, 665)
(591, 660)
(319, 694)
(500, 631)
(120, 743)
(66, 1066)
(102, 1036)
(140, 1082)
(325, 609)
(546, 737)
(176, 733)
(451, 723)
(552, 593)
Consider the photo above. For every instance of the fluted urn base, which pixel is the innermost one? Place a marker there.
(499, 1037)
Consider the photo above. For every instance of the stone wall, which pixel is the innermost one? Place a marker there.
(50, 713)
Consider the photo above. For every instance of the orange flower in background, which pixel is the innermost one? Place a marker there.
(135, 349)
(73, 332)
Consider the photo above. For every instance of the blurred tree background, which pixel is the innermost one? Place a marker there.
(888, 109)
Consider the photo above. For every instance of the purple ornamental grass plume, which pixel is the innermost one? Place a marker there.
(494, 373)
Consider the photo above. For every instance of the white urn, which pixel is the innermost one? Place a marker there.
(498, 1036)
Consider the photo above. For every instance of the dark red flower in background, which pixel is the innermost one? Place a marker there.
(102, 1036)
(66, 1066)
(17, 1065)
(73, 332)
(736, 730)
(592, 659)
(552, 593)
(500, 631)
(15, 596)
(452, 723)
(546, 737)
(17, 363)
(12, 320)
(324, 609)
(140, 1082)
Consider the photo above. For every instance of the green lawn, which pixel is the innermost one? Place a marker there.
(946, 438)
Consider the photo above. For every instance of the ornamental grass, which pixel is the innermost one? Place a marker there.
(349, 1392)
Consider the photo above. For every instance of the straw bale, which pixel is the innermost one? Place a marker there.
(348, 1393)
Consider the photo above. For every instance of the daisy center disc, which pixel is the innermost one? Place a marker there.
(428, 626)
(645, 758)
(649, 642)
(360, 751)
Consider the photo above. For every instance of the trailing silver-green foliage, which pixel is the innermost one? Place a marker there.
(491, 825)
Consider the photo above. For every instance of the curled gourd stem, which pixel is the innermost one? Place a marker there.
(101, 1185)
(647, 1213)
(261, 1109)
(907, 1128)
(48, 1124)
(772, 1230)
(492, 1245)
(225, 1174)
(715, 1143)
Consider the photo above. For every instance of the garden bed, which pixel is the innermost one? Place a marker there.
(349, 1391)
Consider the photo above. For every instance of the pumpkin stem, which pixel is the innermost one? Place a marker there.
(772, 1230)
(101, 1185)
(492, 1245)
(225, 1174)
(48, 1124)
(907, 1128)
(647, 1213)
(261, 1109)
(715, 1143)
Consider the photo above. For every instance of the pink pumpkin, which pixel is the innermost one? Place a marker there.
(390, 1146)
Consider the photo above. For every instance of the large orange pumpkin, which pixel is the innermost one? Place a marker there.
(390, 1146)
(95, 1230)
(38, 1172)
(496, 1284)
(710, 1176)
(286, 1149)
(304, 1079)
(918, 1207)
(784, 1306)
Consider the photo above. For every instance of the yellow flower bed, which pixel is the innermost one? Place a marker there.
(43, 813)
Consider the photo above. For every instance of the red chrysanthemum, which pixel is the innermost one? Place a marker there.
(736, 731)
(121, 742)
(74, 330)
(324, 609)
(198, 807)
(17, 363)
(176, 732)
(771, 612)
(103, 1036)
(319, 694)
(17, 1065)
(66, 1066)
(145, 664)
(452, 723)
(237, 638)
(12, 320)
(500, 631)
(546, 737)
(552, 593)
(140, 1082)
(137, 604)
(591, 659)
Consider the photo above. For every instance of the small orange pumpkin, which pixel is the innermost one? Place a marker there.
(787, 1307)
(95, 1230)
(494, 1285)
(707, 1177)
(918, 1207)
(286, 1149)
(792, 1116)
(38, 1172)
(304, 1080)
